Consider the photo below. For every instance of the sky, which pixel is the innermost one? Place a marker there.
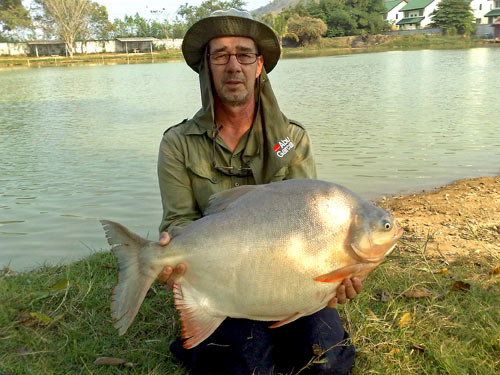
(118, 8)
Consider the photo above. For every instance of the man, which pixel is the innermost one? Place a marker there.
(240, 137)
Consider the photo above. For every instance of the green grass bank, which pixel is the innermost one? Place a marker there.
(326, 47)
(418, 314)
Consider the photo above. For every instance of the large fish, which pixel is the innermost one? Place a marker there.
(271, 252)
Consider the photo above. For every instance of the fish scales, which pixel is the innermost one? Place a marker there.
(270, 252)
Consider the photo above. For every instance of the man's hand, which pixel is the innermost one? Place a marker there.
(349, 289)
(170, 275)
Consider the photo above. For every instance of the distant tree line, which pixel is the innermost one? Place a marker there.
(343, 17)
(306, 22)
(88, 20)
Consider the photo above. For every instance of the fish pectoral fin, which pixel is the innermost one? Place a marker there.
(290, 319)
(340, 274)
(196, 322)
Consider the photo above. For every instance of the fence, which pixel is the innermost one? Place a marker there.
(88, 47)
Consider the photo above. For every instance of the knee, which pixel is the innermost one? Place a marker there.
(338, 361)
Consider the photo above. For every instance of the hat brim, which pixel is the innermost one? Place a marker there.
(196, 38)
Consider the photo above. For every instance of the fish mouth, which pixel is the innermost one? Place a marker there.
(384, 249)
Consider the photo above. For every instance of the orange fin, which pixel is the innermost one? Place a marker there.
(290, 319)
(340, 274)
(196, 322)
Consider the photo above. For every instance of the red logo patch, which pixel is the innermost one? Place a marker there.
(277, 147)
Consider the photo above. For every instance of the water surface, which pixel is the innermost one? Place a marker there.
(80, 143)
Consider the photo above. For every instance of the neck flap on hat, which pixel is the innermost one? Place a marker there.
(269, 145)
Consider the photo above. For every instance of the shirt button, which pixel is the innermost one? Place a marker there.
(236, 184)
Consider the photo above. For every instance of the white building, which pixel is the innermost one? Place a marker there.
(417, 14)
(494, 11)
(394, 14)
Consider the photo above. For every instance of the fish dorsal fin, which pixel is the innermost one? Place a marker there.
(196, 321)
(224, 199)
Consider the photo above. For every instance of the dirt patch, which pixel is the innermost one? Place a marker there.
(459, 219)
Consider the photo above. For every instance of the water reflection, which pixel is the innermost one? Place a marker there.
(79, 143)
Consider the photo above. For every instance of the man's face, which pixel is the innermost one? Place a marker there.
(234, 82)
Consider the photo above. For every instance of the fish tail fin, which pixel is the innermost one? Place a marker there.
(135, 275)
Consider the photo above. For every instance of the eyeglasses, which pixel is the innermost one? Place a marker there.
(228, 171)
(223, 58)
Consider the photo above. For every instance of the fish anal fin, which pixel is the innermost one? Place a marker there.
(290, 319)
(197, 324)
(340, 274)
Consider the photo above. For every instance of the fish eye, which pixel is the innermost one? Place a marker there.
(387, 225)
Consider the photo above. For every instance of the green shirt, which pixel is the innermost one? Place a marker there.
(187, 178)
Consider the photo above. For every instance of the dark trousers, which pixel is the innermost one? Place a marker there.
(244, 347)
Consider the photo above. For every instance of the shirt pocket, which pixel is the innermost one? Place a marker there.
(280, 175)
(204, 182)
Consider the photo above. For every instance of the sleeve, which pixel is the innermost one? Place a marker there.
(303, 164)
(179, 204)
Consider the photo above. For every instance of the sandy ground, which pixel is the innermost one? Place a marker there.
(459, 219)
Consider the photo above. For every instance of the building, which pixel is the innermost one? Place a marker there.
(128, 45)
(394, 14)
(417, 14)
(496, 25)
(481, 9)
(494, 13)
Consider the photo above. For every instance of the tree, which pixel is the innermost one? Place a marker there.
(13, 16)
(279, 24)
(71, 18)
(192, 14)
(346, 17)
(99, 26)
(454, 16)
(307, 29)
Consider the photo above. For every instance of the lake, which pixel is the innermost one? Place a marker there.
(78, 144)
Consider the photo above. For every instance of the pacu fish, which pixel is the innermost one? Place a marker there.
(271, 252)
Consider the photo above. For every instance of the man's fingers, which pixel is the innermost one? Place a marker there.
(165, 273)
(164, 239)
(179, 271)
(356, 283)
(350, 292)
(332, 303)
(341, 296)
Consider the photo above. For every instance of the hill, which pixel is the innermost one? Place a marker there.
(274, 6)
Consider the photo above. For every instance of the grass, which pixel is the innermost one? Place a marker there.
(103, 58)
(56, 320)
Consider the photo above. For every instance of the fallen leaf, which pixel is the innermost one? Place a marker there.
(41, 318)
(405, 320)
(320, 361)
(442, 271)
(317, 349)
(459, 286)
(424, 293)
(60, 285)
(34, 319)
(495, 271)
(112, 361)
(372, 315)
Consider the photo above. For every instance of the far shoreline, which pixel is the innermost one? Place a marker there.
(326, 47)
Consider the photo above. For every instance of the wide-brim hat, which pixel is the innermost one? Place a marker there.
(230, 22)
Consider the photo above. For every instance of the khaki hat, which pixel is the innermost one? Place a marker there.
(230, 22)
